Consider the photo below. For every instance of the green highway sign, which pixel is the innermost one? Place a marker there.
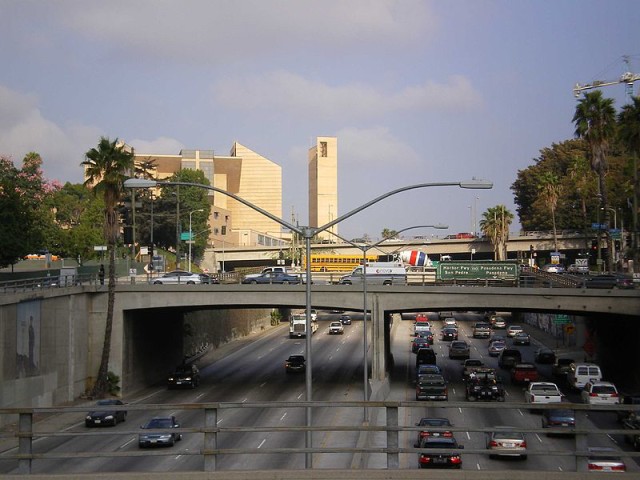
(185, 236)
(561, 319)
(477, 270)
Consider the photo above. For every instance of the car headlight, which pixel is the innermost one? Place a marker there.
(171, 379)
(188, 379)
(88, 417)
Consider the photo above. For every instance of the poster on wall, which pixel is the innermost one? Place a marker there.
(28, 339)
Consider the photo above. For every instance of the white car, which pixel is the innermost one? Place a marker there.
(600, 393)
(513, 330)
(178, 277)
(450, 322)
(336, 328)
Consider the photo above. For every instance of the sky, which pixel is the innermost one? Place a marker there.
(416, 91)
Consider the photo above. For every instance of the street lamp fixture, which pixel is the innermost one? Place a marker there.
(190, 235)
(365, 249)
(308, 233)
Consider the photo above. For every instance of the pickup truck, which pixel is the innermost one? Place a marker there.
(524, 373)
(431, 387)
(538, 393)
(290, 271)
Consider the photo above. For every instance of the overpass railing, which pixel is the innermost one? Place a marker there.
(379, 436)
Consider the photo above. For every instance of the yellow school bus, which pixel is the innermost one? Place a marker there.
(330, 262)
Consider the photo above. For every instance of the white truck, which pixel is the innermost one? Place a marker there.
(377, 273)
(542, 392)
(283, 269)
(298, 325)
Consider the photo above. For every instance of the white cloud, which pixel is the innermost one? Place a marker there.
(373, 148)
(207, 32)
(24, 129)
(292, 93)
(160, 145)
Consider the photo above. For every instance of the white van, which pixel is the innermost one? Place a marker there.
(377, 273)
(580, 374)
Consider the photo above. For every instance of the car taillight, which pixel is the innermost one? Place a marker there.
(594, 466)
(593, 394)
(619, 468)
(523, 444)
(614, 395)
(493, 443)
(456, 459)
(424, 459)
(447, 434)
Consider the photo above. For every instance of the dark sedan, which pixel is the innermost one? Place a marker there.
(544, 355)
(274, 277)
(104, 418)
(449, 333)
(559, 419)
(614, 280)
(450, 459)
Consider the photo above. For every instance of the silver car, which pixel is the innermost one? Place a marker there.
(161, 434)
(505, 441)
(178, 277)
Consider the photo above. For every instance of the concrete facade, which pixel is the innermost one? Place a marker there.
(323, 185)
(244, 173)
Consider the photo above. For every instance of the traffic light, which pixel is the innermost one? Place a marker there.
(128, 235)
(594, 245)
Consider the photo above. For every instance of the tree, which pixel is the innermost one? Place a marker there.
(629, 134)
(105, 170)
(494, 225)
(388, 233)
(550, 190)
(595, 122)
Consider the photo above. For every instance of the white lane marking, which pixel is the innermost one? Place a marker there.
(468, 436)
(263, 384)
(200, 396)
(300, 396)
(127, 443)
(262, 442)
(478, 466)
(283, 415)
(245, 400)
(538, 437)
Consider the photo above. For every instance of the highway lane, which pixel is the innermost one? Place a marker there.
(256, 373)
(474, 418)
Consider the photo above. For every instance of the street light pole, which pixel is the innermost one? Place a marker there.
(308, 233)
(365, 249)
(190, 237)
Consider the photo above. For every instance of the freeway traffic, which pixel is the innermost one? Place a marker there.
(255, 372)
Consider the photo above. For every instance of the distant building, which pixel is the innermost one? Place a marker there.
(323, 185)
(244, 173)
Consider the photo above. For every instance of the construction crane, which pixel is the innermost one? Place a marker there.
(626, 77)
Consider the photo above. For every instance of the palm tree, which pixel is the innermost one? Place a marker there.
(105, 170)
(550, 190)
(629, 132)
(494, 225)
(578, 172)
(595, 121)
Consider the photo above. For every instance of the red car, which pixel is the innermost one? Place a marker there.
(524, 372)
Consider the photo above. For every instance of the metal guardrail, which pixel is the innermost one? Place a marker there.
(384, 416)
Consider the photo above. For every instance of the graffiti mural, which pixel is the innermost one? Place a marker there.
(28, 339)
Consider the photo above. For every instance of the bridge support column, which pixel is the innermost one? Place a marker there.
(210, 438)
(379, 355)
(25, 442)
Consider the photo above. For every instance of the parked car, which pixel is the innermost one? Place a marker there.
(544, 355)
(459, 349)
(103, 418)
(604, 459)
(505, 441)
(559, 419)
(449, 333)
(451, 459)
(513, 330)
(553, 268)
(345, 319)
(524, 372)
(614, 280)
(295, 364)
(163, 436)
(281, 278)
(336, 328)
(521, 338)
(509, 357)
(434, 427)
(600, 393)
(178, 277)
(561, 366)
(184, 376)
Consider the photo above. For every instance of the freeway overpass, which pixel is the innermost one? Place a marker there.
(149, 324)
